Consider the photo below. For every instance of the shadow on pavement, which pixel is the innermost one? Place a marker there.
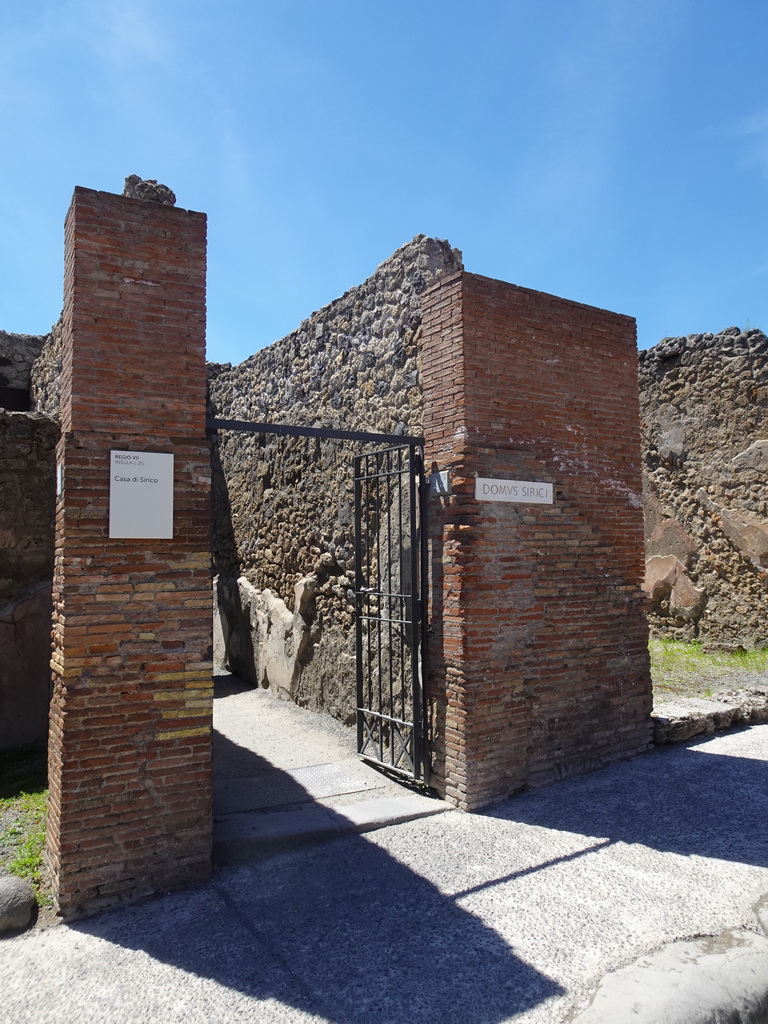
(687, 800)
(342, 930)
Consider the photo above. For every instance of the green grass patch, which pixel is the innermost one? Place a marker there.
(23, 797)
(687, 669)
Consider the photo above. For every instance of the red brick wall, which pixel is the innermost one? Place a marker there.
(538, 654)
(130, 734)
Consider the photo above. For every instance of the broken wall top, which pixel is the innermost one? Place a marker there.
(352, 363)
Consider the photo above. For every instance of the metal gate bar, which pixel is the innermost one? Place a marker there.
(213, 424)
(390, 556)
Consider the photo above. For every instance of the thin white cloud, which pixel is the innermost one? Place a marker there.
(755, 129)
(57, 38)
(595, 78)
(121, 31)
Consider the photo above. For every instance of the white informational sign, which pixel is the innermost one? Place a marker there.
(141, 495)
(488, 489)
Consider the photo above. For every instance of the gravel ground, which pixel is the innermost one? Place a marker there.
(512, 914)
(734, 679)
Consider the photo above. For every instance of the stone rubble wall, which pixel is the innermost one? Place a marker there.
(17, 354)
(27, 484)
(283, 506)
(46, 375)
(705, 436)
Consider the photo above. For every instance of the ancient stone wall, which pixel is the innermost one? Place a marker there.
(17, 354)
(704, 399)
(283, 510)
(46, 375)
(27, 483)
(27, 475)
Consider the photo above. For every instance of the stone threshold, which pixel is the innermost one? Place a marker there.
(675, 721)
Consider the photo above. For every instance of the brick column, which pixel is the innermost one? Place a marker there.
(538, 656)
(130, 728)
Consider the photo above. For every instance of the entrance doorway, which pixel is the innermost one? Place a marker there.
(389, 590)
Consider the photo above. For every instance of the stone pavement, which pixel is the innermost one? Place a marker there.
(284, 777)
(512, 914)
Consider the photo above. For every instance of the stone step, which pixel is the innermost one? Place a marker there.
(256, 835)
(675, 721)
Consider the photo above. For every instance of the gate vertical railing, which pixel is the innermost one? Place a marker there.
(390, 573)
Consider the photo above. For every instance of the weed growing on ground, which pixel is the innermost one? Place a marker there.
(686, 669)
(23, 796)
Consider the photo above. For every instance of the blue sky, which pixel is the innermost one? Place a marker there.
(614, 152)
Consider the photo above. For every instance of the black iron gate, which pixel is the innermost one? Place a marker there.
(390, 574)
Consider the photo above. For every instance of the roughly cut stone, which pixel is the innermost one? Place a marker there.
(672, 445)
(670, 538)
(263, 640)
(746, 532)
(676, 721)
(149, 190)
(755, 457)
(666, 578)
(17, 902)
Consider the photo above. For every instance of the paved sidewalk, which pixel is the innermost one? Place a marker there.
(514, 914)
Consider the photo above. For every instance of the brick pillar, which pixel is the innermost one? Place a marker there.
(130, 727)
(538, 656)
